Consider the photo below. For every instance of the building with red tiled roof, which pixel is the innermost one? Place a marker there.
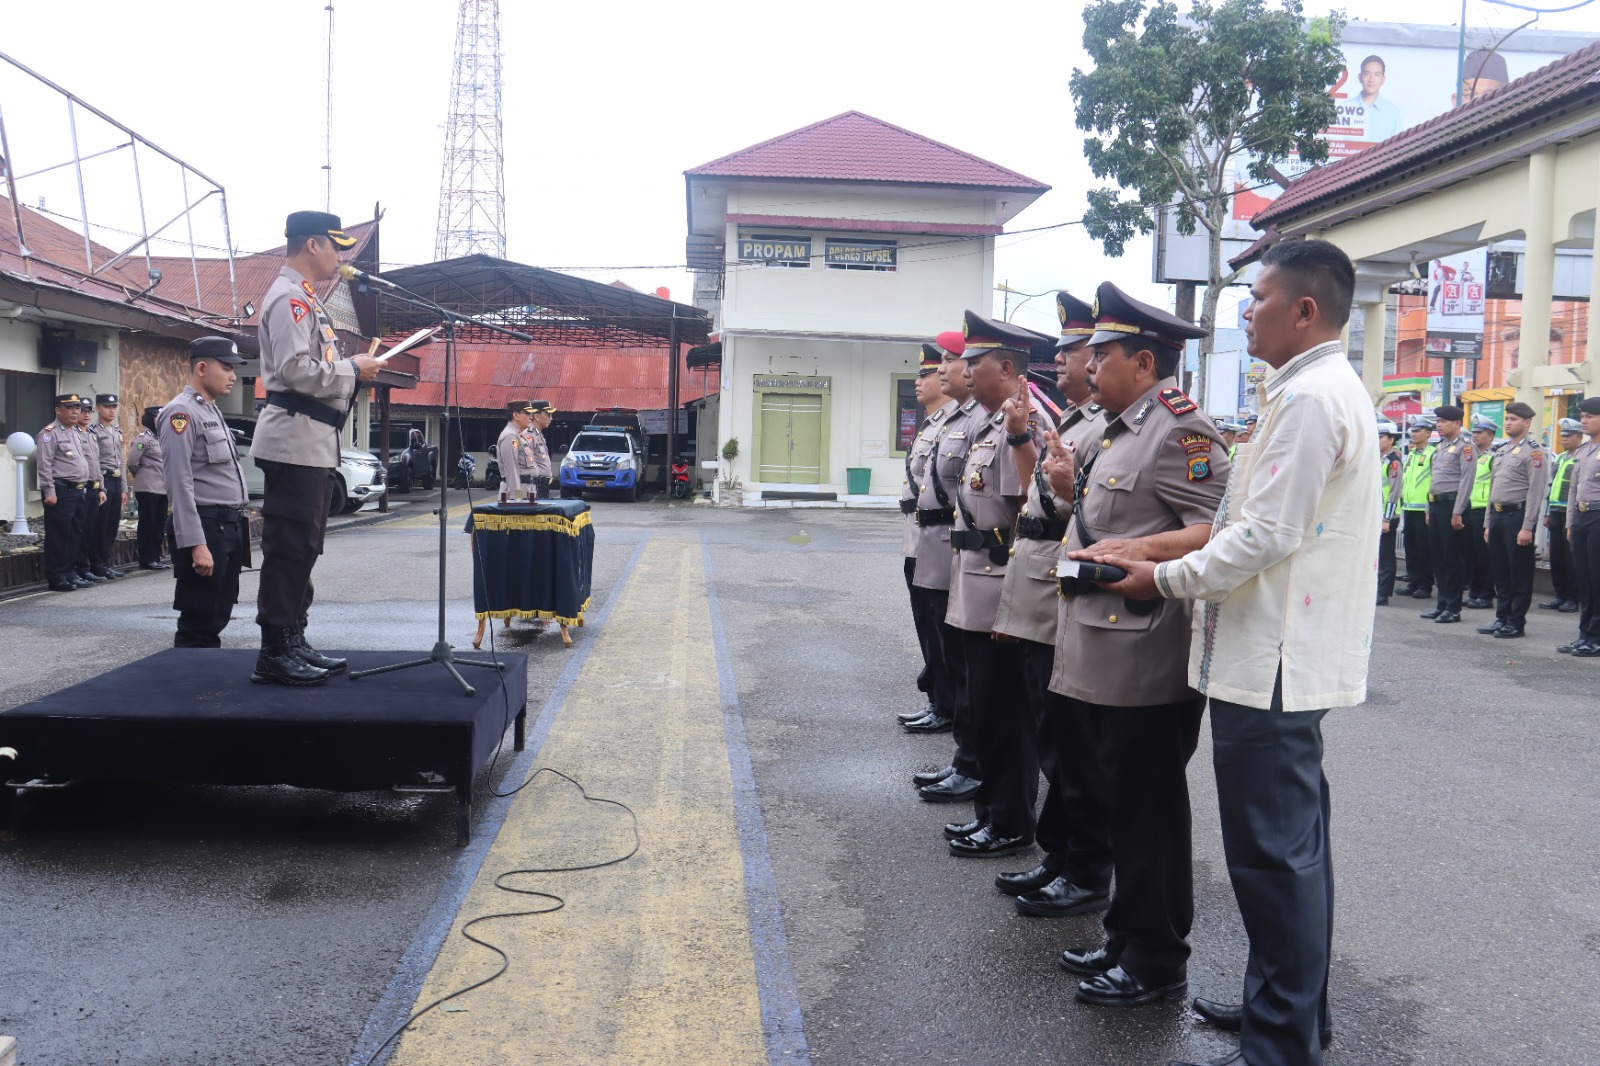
(826, 256)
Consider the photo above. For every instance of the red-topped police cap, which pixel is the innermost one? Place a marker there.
(1077, 319)
(932, 357)
(985, 335)
(1119, 317)
(951, 342)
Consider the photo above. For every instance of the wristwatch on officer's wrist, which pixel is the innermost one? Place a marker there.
(1017, 440)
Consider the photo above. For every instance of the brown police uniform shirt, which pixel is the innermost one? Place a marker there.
(1029, 606)
(62, 457)
(145, 464)
(300, 354)
(934, 560)
(1455, 464)
(916, 469)
(1585, 495)
(990, 499)
(1519, 473)
(200, 463)
(108, 444)
(516, 462)
(539, 455)
(1159, 466)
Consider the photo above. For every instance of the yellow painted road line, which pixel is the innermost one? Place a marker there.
(651, 960)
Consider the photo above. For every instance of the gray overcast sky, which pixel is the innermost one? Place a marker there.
(605, 105)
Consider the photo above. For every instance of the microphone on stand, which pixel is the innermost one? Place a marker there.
(350, 273)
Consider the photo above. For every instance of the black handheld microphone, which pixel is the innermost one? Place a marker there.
(352, 274)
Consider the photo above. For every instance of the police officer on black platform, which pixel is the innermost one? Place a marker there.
(988, 499)
(1518, 471)
(1449, 492)
(205, 488)
(936, 563)
(934, 679)
(1149, 489)
(67, 480)
(310, 390)
(1074, 876)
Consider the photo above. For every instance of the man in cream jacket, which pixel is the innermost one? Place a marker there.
(1283, 634)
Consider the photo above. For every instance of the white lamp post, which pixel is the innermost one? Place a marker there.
(20, 445)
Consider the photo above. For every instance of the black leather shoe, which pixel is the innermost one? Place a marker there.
(1446, 617)
(986, 843)
(924, 778)
(1568, 649)
(1027, 881)
(154, 566)
(1119, 988)
(957, 830)
(1478, 604)
(1569, 607)
(1232, 1058)
(310, 655)
(1422, 594)
(1552, 605)
(80, 583)
(1383, 601)
(1086, 962)
(1431, 615)
(1587, 650)
(933, 723)
(1507, 632)
(1060, 899)
(1229, 1017)
(63, 586)
(912, 716)
(277, 664)
(954, 789)
(1492, 627)
(93, 578)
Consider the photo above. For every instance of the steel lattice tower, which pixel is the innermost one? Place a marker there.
(472, 196)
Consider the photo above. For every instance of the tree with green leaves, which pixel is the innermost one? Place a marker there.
(1173, 105)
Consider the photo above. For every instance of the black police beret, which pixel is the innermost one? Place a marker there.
(1521, 410)
(1449, 412)
(1590, 405)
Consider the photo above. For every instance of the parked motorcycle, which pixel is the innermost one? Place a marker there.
(491, 473)
(678, 480)
(464, 468)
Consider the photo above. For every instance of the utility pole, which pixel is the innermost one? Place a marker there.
(472, 198)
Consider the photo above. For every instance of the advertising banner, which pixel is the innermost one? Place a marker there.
(1456, 291)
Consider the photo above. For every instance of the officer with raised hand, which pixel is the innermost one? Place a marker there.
(1555, 520)
(1518, 470)
(1149, 489)
(205, 486)
(1074, 876)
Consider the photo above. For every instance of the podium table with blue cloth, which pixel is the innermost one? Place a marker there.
(531, 560)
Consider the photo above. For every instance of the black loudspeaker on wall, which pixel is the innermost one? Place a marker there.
(63, 351)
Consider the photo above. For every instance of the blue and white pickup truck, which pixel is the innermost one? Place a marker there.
(604, 459)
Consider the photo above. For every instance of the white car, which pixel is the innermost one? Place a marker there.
(358, 478)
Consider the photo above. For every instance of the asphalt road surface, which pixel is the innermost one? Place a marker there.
(790, 899)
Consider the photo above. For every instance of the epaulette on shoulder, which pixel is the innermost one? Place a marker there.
(1093, 409)
(1176, 401)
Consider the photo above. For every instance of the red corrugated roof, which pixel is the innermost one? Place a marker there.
(1543, 92)
(489, 375)
(858, 147)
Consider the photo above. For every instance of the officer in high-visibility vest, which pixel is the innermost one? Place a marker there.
(1390, 468)
(1479, 577)
(1555, 520)
(1414, 510)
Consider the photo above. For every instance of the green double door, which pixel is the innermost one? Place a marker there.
(791, 438)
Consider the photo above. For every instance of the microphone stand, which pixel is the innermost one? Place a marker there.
(442, 652)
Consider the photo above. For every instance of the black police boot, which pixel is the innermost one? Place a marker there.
(277, 663)
(311, 655)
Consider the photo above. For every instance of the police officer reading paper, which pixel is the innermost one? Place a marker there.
(309, 393)
(206, 492)
(1283, 632)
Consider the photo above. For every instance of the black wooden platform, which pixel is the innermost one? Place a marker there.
(192, 716)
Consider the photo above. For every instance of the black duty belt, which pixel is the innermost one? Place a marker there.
(1030, 528)
(1508, 508)
(305, 405)
(1587, 507)
(995, 542)
(908, 506)
(936, 516)
(1443, 497)
(79, 485)
(220, 511)
(527, 479)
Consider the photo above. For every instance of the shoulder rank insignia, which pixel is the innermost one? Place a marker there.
(969, 405)
(179, 421)
(1176, 401)
(1093, 409)
(298, 309)
(1143, 412)
(306, 285)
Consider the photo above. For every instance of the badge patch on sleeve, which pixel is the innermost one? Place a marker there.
(1199, 468)
(180, 422)
(1176, 401)
(298, 309)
